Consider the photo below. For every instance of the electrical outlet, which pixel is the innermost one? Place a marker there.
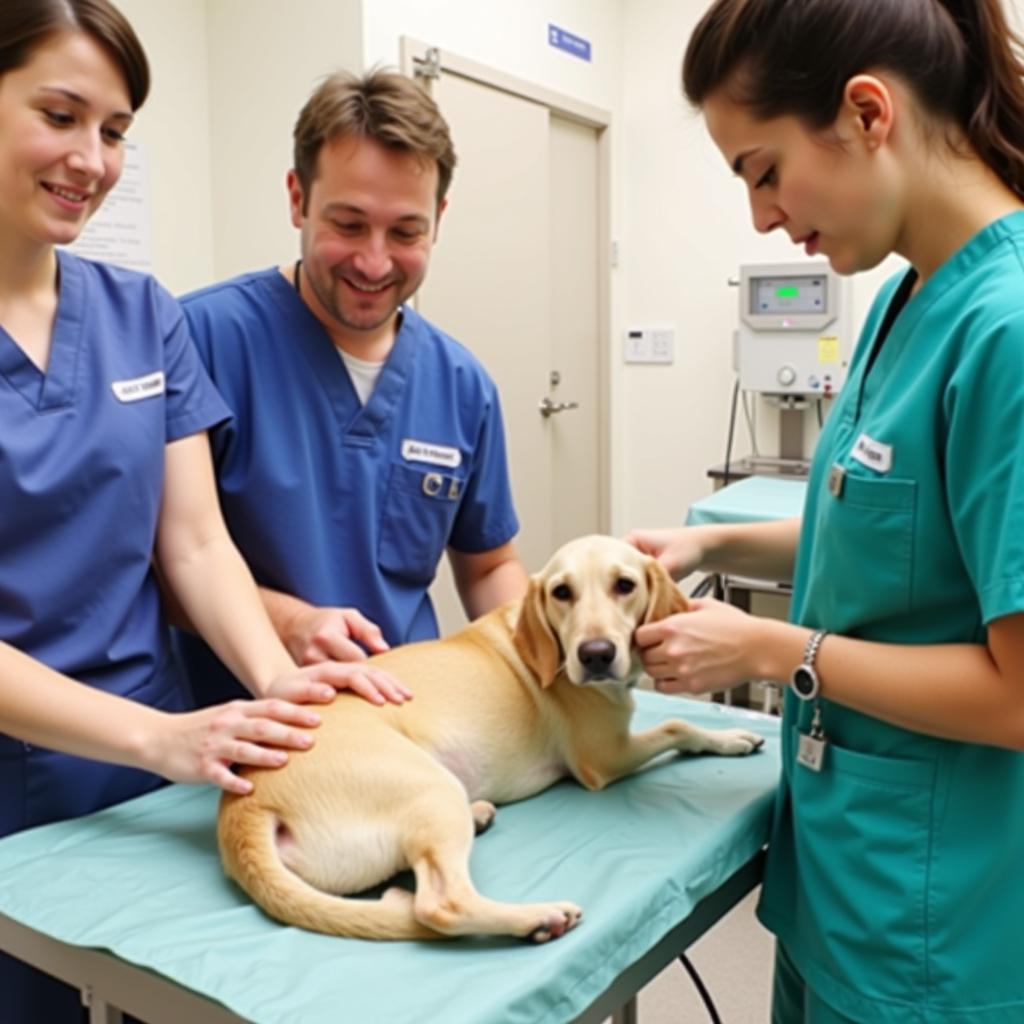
(663, 345)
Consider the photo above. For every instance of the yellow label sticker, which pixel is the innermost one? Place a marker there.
(828, 349)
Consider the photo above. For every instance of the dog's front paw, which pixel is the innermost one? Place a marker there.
(733, 742)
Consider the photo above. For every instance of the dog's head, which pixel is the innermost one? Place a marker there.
(582, 609)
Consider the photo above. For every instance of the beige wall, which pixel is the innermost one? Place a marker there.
(510, 35)
(230, 75)
(173, 128)
(678, 217)
(513, 38)
(687, 231)
(266, 56)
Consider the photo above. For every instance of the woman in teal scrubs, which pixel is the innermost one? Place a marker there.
(893, 881)
(105, 472)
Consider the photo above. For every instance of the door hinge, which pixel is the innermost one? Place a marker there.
(428, 66)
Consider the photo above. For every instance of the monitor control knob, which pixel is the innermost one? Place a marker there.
(786, 376)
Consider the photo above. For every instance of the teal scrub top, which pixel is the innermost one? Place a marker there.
(895, 875)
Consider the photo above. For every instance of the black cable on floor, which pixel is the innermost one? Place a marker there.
(701, 989)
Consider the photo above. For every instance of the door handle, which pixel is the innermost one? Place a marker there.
(549, 408)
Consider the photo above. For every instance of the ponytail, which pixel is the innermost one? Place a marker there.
(993, 113)
(795, 57)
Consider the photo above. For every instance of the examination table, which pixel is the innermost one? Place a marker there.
(130, 904)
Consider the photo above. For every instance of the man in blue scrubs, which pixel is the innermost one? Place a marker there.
(365, 442)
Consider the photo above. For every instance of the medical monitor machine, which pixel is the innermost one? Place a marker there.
(792, 347)
(793, 336)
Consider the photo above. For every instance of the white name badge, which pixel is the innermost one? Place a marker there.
(872, 453)
(433, 454)
(141, 387)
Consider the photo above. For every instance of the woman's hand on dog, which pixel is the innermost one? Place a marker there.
(318, 684)
(201, 746)
(678, 550)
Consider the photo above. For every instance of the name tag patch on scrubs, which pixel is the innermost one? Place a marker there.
(149, 386)
(434, 454)
(873, 454)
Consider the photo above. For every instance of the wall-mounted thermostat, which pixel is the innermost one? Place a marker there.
(649, 345)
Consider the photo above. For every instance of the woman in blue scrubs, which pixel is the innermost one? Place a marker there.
(893, 881)
(105, 473)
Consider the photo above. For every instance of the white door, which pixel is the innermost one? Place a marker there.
(516, 276)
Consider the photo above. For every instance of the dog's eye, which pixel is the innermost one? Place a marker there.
(563, 592)
(624, 586)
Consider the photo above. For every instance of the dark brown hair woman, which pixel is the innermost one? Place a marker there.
(105, 474)
(863, 128)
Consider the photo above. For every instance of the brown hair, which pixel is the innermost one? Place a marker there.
(795, 57)
(381, 105)
(25, 25)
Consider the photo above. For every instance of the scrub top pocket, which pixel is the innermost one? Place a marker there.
(864, 829)
(419, 511)
(865, 537)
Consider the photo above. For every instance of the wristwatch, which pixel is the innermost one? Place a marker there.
(806, 684)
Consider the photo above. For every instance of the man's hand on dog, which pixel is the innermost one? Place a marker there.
(315, 635)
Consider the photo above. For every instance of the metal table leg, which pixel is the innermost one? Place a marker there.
(626, 1014)
(100, 1011)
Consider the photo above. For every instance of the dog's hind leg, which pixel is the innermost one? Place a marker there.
(438, 840)
(483, 812)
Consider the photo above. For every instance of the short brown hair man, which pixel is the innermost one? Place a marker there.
(366, 442)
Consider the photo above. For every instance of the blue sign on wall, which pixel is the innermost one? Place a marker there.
(563, 40)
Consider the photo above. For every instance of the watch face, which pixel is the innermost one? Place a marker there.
(804, 682)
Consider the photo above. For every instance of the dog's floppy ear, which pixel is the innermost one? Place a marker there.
(664, 597)
(533, 638)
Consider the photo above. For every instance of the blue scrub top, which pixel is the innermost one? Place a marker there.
(81, 478)
(338, 503)
(894, 874)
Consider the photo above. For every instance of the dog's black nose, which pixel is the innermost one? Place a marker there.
(596, 656)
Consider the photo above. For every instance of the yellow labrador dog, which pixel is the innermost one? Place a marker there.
(535, 691)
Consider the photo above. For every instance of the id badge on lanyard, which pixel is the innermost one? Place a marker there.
(811, 746)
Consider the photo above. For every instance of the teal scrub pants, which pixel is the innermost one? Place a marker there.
(793, 1002)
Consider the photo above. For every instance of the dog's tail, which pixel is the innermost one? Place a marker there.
(246, 833)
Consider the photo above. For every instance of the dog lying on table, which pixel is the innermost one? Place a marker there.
(533, 692)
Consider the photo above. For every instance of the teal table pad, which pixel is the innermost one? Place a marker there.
(755, 499)
(143, 880)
